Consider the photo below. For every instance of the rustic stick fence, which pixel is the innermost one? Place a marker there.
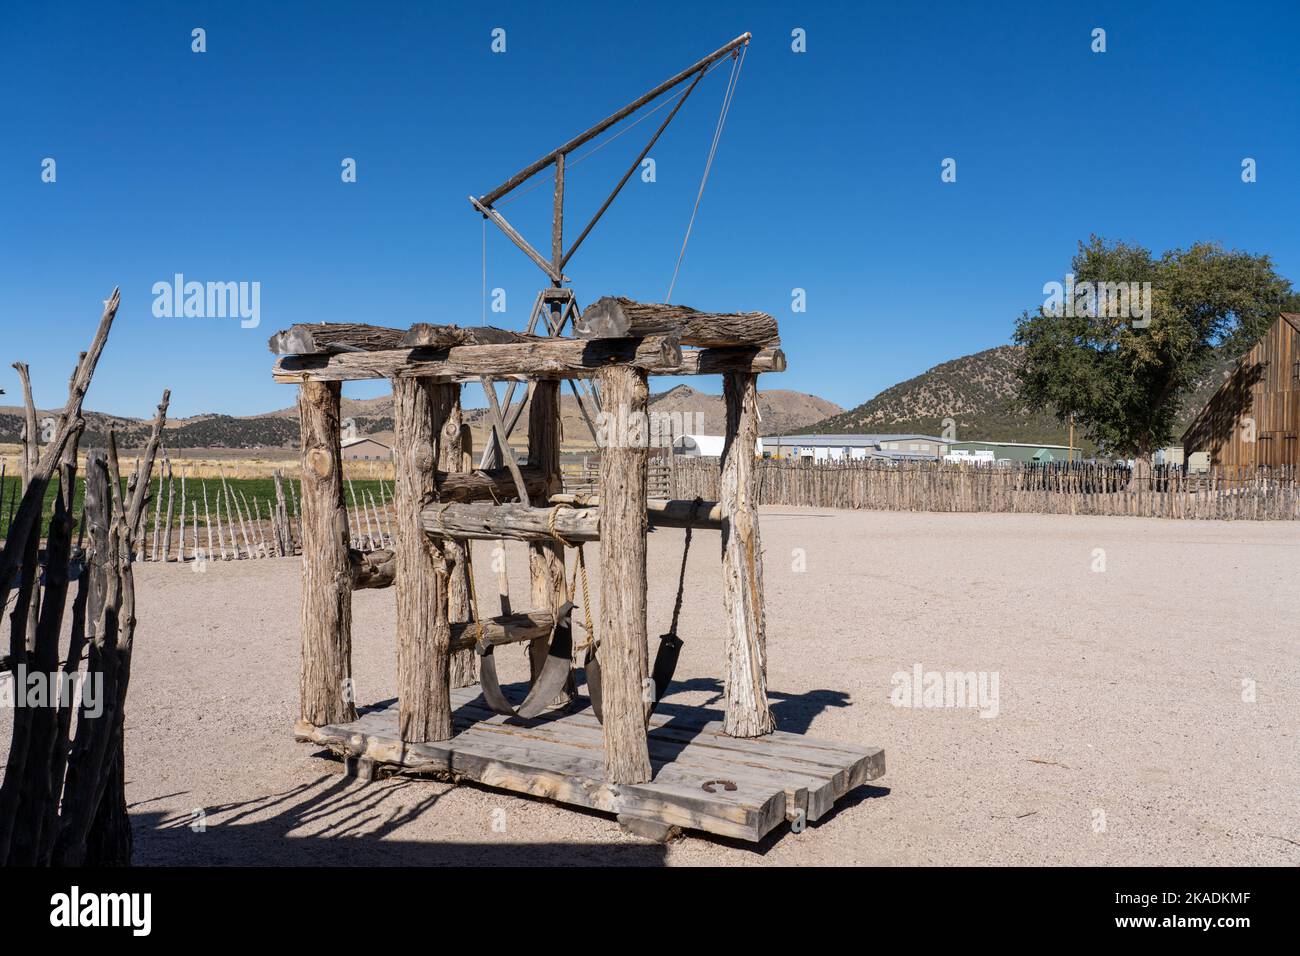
(1079, 488)
(222, 523)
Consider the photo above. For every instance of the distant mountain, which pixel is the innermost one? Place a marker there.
(979, 393)
(780, 410)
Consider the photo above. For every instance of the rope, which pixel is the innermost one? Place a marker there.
(469, 577)
(579, 566)
(737, 62)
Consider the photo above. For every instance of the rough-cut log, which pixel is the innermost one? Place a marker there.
(482, 521)
(489, 484)
(424, 335)
(334, 337)
(455, 451)
(622, 629)
(661, 512)
(372, 569)
(327, 574)
(545, 358)
(614, 317)
(423, 657)
(718, 361)
(546, 558)
(745, 678)
(504, 629)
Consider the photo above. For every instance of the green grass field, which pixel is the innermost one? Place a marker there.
(255, 490)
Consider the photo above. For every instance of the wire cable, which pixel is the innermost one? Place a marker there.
(737, 63)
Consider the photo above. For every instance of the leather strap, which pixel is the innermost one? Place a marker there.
(670, 649)
(549, 683)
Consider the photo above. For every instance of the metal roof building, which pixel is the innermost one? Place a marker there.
(842, 447)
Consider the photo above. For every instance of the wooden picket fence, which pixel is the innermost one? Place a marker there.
(1079, 488)
(585, 476)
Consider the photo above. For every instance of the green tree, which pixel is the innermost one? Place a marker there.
(1124, 380)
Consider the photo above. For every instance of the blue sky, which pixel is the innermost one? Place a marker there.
(225, 166)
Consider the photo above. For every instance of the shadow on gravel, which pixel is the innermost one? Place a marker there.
(336, 821)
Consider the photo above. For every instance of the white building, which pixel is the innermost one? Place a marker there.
(705, 446)
(855, 447)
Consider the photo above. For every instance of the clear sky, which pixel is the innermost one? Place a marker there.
(225, 166)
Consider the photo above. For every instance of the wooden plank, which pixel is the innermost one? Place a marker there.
(560, 756)
(840, 769)
(818, 790)
(564, 773)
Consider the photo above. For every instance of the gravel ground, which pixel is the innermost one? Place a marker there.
(1122, 735)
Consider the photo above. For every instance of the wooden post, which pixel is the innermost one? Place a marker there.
(167, 533)
(326, 679)
(207, 524)
(747, 711)
(623, 655)
(157, 514)
(423, 637)
(283, 540)
(180, 549)
(455, 455)
(546, 558)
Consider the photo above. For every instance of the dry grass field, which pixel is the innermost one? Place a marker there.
(1124, 733)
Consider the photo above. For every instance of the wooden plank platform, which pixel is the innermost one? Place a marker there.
(703, 779)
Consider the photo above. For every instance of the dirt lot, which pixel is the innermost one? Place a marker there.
(1121, 735)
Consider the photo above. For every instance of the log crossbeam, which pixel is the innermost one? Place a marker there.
(543, 358)
(571, 524)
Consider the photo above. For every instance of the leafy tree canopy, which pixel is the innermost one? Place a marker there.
(1124, 373)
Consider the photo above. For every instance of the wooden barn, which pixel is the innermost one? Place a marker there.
(1253, 419)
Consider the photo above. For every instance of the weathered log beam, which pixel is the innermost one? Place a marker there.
(489, 484)
(505, 629)
(483, 521)
(422, 335)
(661, 512)
(333, 337)
(615, 317)
(719, 361)
(544, 358)
(372, 569)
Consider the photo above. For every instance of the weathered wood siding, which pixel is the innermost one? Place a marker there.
(1253, 420)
